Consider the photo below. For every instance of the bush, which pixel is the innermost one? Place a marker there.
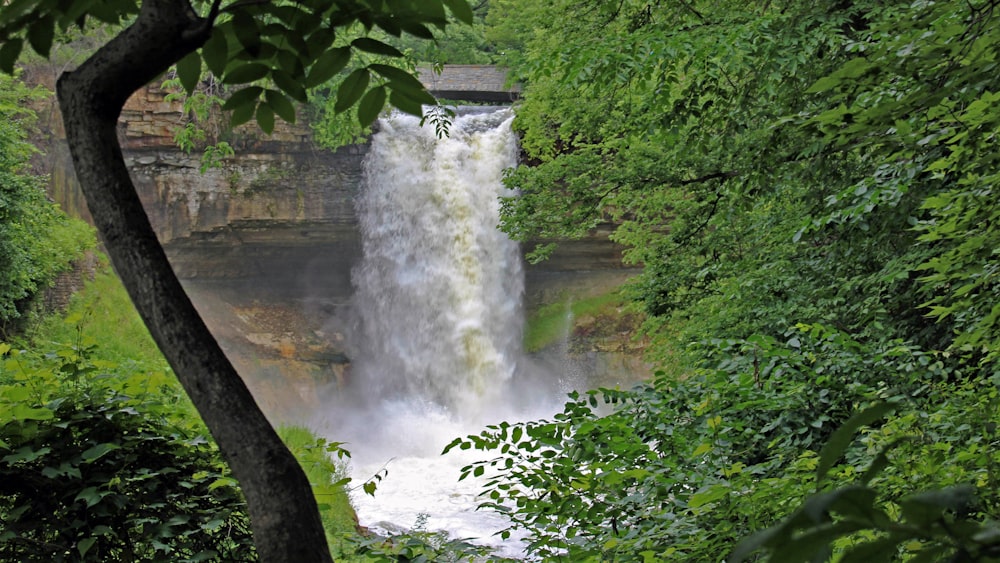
(98, 467)
(37, 240)
(682, 470)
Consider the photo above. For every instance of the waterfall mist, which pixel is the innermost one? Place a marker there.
(436, 327)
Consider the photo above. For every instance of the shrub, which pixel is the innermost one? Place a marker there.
(95, 468)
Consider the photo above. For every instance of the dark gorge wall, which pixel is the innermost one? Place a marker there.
(265, 244)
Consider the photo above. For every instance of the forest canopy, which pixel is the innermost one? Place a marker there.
(809, 189)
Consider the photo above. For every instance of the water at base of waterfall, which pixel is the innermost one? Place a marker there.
(436, 338)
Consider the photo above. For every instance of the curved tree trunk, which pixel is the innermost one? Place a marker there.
(283, 511)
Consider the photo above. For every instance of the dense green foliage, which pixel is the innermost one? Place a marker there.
(94, 424)
(683, 470)
(810, 191)
(37, 240)
(100, 466)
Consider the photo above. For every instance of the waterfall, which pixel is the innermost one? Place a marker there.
(439, 288)
(436, 329)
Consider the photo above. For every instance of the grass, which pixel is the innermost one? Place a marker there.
(314, 454)
(103, 314)
(554, 322)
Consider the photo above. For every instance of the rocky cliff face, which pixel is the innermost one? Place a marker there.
(265, 244)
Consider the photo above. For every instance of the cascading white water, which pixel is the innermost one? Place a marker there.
(439, 287)
(438, 322)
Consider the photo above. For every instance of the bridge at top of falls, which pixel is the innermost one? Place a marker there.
(470, 83)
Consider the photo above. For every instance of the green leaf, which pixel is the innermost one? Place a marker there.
(461, 10)
(417, 30)
(291, 63)
(351, 89)
(24, 412)
(246, 31)
(843, 436)
(26, 453)
(813, 544)
(319, 42)
(222, 482)
(9, 52)
(854, 67)
(702, 449)
(878, 550)
(40, 34)
(215, 51)
(881, 460)
(375, 46)
(98, 451)
(854, 502)
(189, 71)
(84, 545)
(922, 509)
(707, 495)
(242, 114)
(280, 104)
(370, 106)
(328, 65)
(932, 554)
(399, 79)
(265, 118)
(245, 73)
(396, 74)
(244, 97)
(290, 85)
(15, 394)
(413, 107)
(90, 495)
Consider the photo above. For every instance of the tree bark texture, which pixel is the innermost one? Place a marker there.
(283, 511)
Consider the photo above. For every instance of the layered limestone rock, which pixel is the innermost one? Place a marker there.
(265, 243)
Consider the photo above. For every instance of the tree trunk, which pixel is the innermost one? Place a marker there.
(283, 511)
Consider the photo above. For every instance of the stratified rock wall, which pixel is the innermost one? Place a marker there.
(266, 241)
